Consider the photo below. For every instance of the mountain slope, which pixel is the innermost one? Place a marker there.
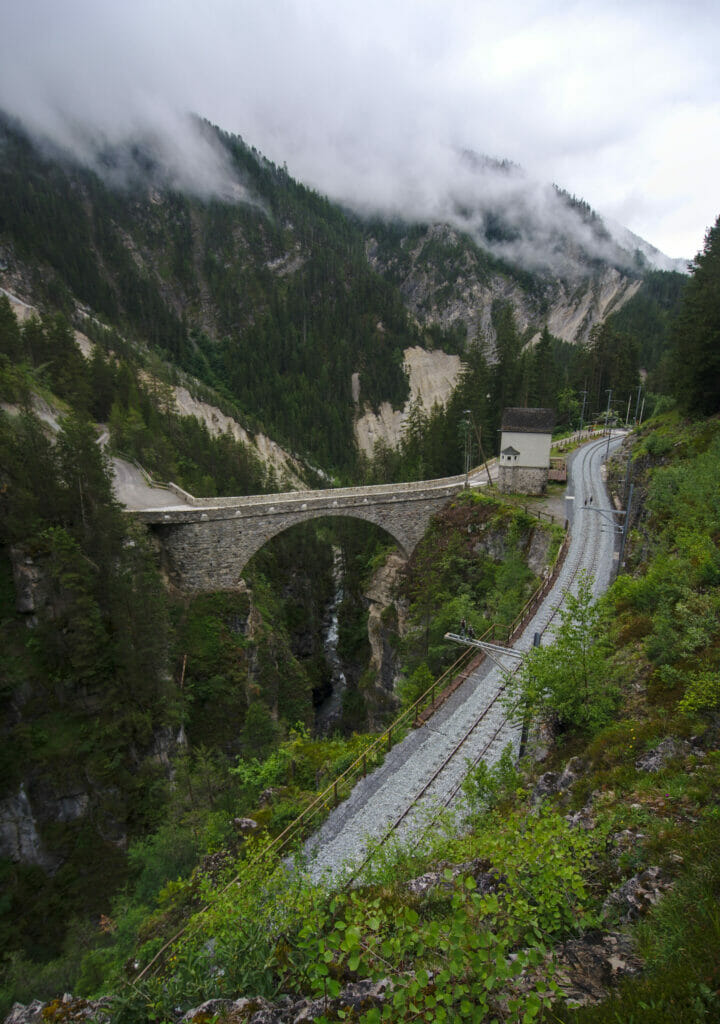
(273, 302)
(297, 311)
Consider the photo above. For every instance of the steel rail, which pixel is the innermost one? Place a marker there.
(576, 566)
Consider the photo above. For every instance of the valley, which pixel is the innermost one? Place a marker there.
(235, 536)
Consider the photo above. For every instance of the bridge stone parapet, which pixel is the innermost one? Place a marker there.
(208, 543)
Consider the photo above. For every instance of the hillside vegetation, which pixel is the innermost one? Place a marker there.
(595, 867)
(138, 725)
(278, 300)
(142, 728)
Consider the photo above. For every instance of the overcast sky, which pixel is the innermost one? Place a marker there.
(370, 100)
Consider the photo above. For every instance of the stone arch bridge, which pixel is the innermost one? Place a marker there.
(208, 541)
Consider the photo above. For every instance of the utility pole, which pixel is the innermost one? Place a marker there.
(627, 414)
(582, 412)
(478, 435)
(625, 529)
(467, 448)
(607, 418)
(609, 515)
(637, 403)
(627, 477)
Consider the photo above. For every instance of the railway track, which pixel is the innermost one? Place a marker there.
(427, 768)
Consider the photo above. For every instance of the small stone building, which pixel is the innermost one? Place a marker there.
(525, 450)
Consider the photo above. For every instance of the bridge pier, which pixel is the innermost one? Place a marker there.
(207, 545)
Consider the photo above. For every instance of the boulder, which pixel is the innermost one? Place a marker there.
(637, 895)
(667, 750)
(486, 877)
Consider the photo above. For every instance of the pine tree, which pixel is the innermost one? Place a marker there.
(10, 339)
(696, 334)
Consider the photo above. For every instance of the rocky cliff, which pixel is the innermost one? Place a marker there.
(448, 281)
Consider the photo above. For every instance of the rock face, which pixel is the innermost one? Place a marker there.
(465, 295)
(387, 614)
(382, 597)
(57, 793)
(287, 469)
(31, 590)
(19, 837)
(446, 282)
(432, 376)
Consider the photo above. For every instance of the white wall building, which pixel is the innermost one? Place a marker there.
(525, 450)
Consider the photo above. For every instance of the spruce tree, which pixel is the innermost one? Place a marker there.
(696, 334)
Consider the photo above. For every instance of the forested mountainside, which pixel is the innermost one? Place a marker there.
(583, 886)
(115, 688)
(140, 727)
(279, 299)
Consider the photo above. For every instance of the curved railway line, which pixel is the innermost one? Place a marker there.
(427, 768)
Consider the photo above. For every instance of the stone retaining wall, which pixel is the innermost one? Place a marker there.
(522, 480)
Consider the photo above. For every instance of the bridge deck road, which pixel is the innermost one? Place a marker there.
(133, 491)
(382, 797)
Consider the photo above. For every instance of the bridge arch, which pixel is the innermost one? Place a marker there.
(208, 544)
(211, 555)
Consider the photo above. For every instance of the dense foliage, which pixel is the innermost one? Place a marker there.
(279, 305)
(86, 692)
(490, 934)
(144, 726)
(696, 355)
(471, 565)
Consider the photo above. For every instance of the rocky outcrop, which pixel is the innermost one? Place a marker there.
(487, 879)
(387, 614)
(637, 895)
(552, 783)
(586, 968)
(667, 750)
(351, 1002)
(31, 584)
(432, 375)
(445, 282)
(19, 837)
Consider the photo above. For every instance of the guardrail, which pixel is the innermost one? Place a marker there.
(318, 495)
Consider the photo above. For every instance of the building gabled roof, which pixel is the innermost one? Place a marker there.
(510, 451)
(529, 421)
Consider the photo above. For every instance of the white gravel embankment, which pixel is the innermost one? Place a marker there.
(392, 790)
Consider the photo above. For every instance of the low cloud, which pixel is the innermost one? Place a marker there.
(372, 102)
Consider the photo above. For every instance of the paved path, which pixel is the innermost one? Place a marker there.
(133, 491)
(379, 800)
